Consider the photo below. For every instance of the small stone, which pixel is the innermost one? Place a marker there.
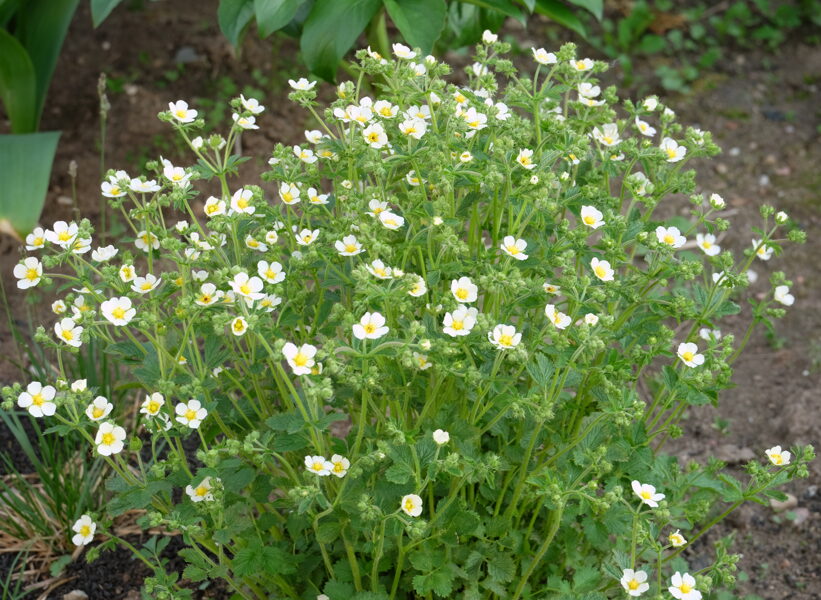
(75, 595)
(788, 504)
(764, 180)
(106, 45)
(801, 514)
(130, 89)
(65, 200)
(721, 169)
(734, 151)
(811, 491)
(186, 54)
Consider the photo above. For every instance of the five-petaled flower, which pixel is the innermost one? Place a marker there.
(300, 358)
(203, 491)
(514, 247)
(109, 439)
(38, 399)
(689, 355)
(28, 273)
(647, 493)
(504, 337)
(411, 505)
(370, 327)
(778, 457)
(683, 587)
(190, 413)
(84, 529)
(634, 582)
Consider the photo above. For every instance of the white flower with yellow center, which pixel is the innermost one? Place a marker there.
(180, 111)
(676, 539)
(418, 112)
(707, 243)
(254, 244)
(109, 439)
(551, 288)
(460, 322)
(465, 157)
(391, 220)
(301, 84)
(670, 236)
(202, 492)
(252, 105)
(144, 285)
(81, 245)
(402, 51)
(112, 189)
(377, 207)
(269, 302)
(413, 179)
(118, 311)
(422, 361)
(289, 193)
(209, 294)
(84, 529)
(504, 337)
(340, 465)
(28, 273)
(271, 272)
(592, 217)
(318, 465)
(645, 128)
(69, 332)
(239, 325)
(581, 65)
(559, 319)
(414, 128)
(543, 57)
(464, 290)
(104, 253)
(683, 587)
(147, 241)
(688, 353)
(241, 202)
(441, 437)
(214, 207)
(588, 90)
(525, 158)
(778, 457)
(647, 493)
(36, 240)
(762, 250)
(306, 237)
(99, 408)
(38, 399)
(148, 186)
(246, 286)
(475, 120)
(514, 247)
(782, 294)
(306, 155)
(301, 358)
(62, 234)
(411, 505)
(176, 175)
(314, 136)
(634, 582)
(607, 135)
(152, 404)
(370, 327)
(379, 270)
(348, 246)
(385, 109)
(79, 308)
(602, 269)
(242, 122)
(314, 197)
(271, 237)
(58, 307)
(375, 136)
(419, 288)
(672, 149)
(190, 413)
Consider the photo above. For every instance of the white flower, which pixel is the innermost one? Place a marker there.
(502, 111)
(559, 319)
(314, 136)
(634, 582)
(318, 465)
(152, 404)
(418, 112)
(717, 202)
(782, 294)
(38, 399)
(375, 135)
(254, 244)
(36, 239)
(645, 128)
(148, 186)
(376, 206)
(591, 319)
(647, 493)
(301, 358)
(588, 90)
(306, 155)
(672, 149)
(688, 353)
(543, 57)
(241, 202)
(269, 302)
(289, 193)
(514, 247)
(214, 207)
(109, 439)
(62, 234)
(465, 157)
(762, 250)
(781, 217)
(650, 103)
(385, 109)
(474, 119)
(176, 175)
(707, 334)
(422, 361)
(69, 332)
(412, 178)
(58, 307)
(608, 135)
(239, 325)
(190, 413)
(419, 288)
(670, 236)
(247, 286)
(378, 269)
(676, 539)
(147, 241)
(441, 437)
(112, 189)
(414, 128)
(488, 37)
(340, 465)
(348, 246)
(584, 64)
(551, 288)
(525, 158)
(302, 84)
(181, 112)
(504, 337)
(707, 242)
(118, 311)
(683, 587)
(271, 272)
(79, 385)
(209, 294)
(143, 285)
(602, 270)
(778, 457)
(84, 529)
(412, 505)
(460, 321)
(592, 217)
(99, 408)
(402, 51)
(391, 220)
(28, 273)
(202, 492)
(370, 327)
(252, 105)
(464, 290)
(104, 253)
(479, 69)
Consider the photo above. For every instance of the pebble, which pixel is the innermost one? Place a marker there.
(764, 180)
(811, 490)
(802, 514)
(721, 169)
(186, 54)
(65, 200)
(788, 504)
(734, 151)
(75, 595)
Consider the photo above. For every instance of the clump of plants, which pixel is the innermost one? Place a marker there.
(437, 353)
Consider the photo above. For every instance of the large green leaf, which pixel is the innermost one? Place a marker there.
(330, 31)
(595, 7)
(100, 9)
(273, 15)
(419, 21)
(560, 13)
(41, 29)
(18, 84)
(233, 17)
(25, 168)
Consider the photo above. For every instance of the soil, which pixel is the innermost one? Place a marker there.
(763, 109)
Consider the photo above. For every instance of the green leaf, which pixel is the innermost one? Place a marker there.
(419, 21)
(18, 84)
(501, 567)
(540, 369)
(25, 168)
(399, 473)
(594, 7)
(256, 559)
(440, 582)
(233, 17)
(558, 12)
(331, 29)
(100, 9)
(274, 14)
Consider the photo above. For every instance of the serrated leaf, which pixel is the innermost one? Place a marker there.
(256, 558)
(440, 582)
(501, 567)
(419, 21)
(399, 473)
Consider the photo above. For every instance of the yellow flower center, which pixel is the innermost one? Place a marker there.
(211, 209)
(63, 236)
(85, 530)
(706, 245)
(205, 299)
(67, 334)
(201, 491)
(685, 589)
(270, 274)
(107, 439)
(669, 239)
(338, 467)
(671, 153)
(506, 340)
(38, 400)
(607, 139)
(307, 238)
(318, 466)
(385, 111)
(473, 124)
(245, 288)
(422, 361)
(239, 325)
(380, 272)
(513, 249)
(115, 190)
(373, 137)
(600, 271)
(457, 325)
(287, 196)
(153, 407)
(97, 412)
(589, 220)
(32, 274)
(389, 222)
(777, 458)
(300, 359)
(242, 202)
(525, 160)
(633, 584)
(181, 113)
(461, 293)
(460, 98)
(370, 328)
(350, 248)
(646, 495)
(557, 318)
(580, 65)
(687, 356)
(190, 414)
(118, 313)
(409, 505)
(38, 241)
(176, 177)
(146, 286)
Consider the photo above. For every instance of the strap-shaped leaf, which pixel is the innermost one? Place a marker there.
(560, 13)
(100, 9)
(594, 7)
(419, 21)
(17, 84)
(273, 15)
(233, 17)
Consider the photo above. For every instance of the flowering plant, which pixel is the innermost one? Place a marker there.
(437, 354)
